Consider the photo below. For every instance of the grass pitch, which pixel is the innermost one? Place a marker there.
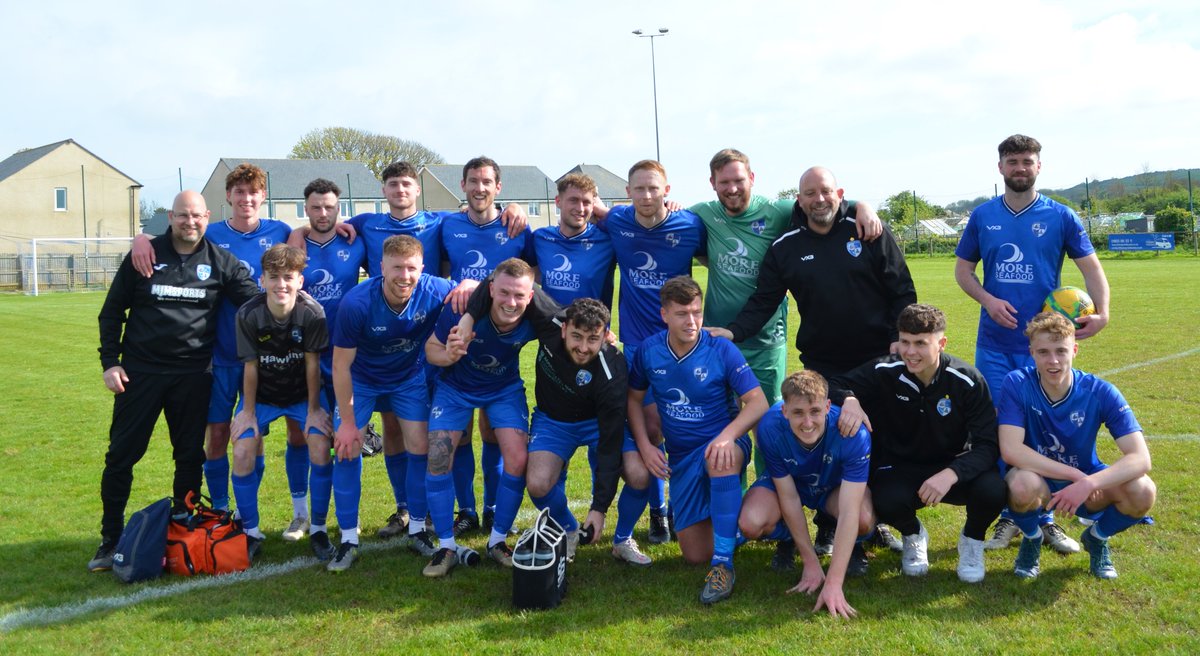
(56, 413)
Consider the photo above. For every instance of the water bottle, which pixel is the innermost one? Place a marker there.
(467, 556)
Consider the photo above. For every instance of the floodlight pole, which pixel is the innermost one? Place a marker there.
(662, 31)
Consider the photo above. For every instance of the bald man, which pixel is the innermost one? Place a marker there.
(156, 343)
(848, 292)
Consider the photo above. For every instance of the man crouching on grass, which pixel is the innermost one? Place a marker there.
(809, 464)
(1050, 414)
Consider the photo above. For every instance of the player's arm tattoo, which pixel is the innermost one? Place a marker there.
(441, 447)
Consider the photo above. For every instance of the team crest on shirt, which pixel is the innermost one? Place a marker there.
(1039, 229)
(419, 317)
(583, 378)
(587, 245)
(501, 238)
(296, 336)
(344, 255)
(758, 226)
(672, 239)
(435, 411)
(701, 373)
(1077, 418)
(943, 406)
(854, 247)
(265, 242)
(203, 271)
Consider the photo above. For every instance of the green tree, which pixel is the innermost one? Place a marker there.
(1173, 219)
(374, 150)
(898, 210)
(787, 194)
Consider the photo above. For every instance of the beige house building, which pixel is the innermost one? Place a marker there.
(286, 179)
(63, 190)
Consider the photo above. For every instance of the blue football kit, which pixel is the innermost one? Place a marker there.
(474, 250)
(373, 229)
(815, 470)
(647, 258)
(332, 271)
(575, 267)
(388, 376)
(1022, 254)
(697, 398)
(1065, 430)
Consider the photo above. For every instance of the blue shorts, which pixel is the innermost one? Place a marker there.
(452, 408)
(995, 365)
(562, 438)
(690, 487)
(267, 413)
(1055, 485)
(408, 399)
(226, 393)
(810, 501)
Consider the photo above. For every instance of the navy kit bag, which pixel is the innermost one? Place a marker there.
(141, 551)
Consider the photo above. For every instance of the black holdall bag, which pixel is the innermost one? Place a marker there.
(540, 565)
(141, 551)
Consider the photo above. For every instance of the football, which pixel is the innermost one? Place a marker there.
(1071, 302)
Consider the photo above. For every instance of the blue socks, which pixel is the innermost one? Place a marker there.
(508, 501)
(295, 460)
(556, 501)
(439, 490)
(245, 491)
(1111, 522)
(260, 467)
(418, 500)
(725, 502)
(347, 489)
(1030, 522)
(658, 495)
(463, 470)
(320, 481)
(216, 474)
(490, 462)
(630, 506)
(397, 471)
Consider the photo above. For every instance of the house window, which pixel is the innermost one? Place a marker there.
(535, 209)
(557, 212)
(379, 207)
(271, 210)
(60, 199)
(299, 210)
(344, 208)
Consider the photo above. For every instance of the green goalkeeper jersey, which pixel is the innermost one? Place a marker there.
(736, 248)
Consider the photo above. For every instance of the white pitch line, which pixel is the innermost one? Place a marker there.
(55, 614)
(1147, 363)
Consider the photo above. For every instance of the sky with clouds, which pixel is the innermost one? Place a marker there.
(891, 96)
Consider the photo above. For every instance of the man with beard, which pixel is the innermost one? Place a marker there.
(1022, 237)
(334, 263)
(848, 292)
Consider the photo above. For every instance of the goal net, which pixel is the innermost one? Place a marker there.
(60, 264)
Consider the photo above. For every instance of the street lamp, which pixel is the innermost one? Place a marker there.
(662, 31)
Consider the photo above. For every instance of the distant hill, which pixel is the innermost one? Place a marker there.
(1130, 184)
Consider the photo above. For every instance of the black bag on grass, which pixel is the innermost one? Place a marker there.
(540, 565)
(141, 551)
